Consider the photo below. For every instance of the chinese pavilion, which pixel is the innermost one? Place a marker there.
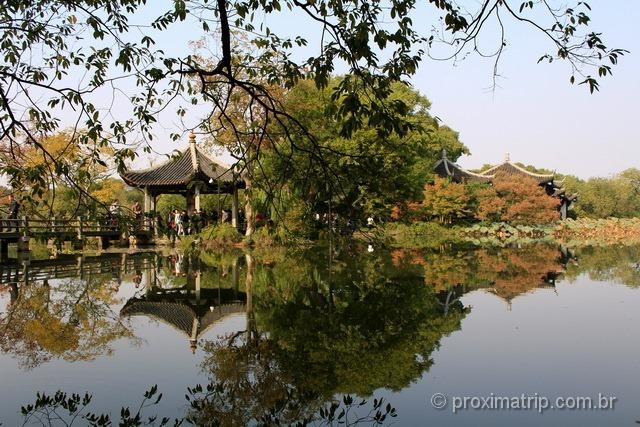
(190, 173)
(448, 169)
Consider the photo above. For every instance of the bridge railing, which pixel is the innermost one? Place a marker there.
(78, 226)
(10, 225)
(143, 224)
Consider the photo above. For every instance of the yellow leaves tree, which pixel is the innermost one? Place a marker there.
(445, 200)
(57, 175)
(110, 190)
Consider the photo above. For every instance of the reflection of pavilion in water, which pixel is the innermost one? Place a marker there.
(510, 288)
(191, 308)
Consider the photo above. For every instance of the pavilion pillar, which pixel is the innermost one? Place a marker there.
(154, 221)
(234, 206)
(197, 198)
(147, 200)
(191, 203)
(251, 324)
(198, 287)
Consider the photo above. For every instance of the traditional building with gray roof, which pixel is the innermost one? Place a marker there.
(448, 169)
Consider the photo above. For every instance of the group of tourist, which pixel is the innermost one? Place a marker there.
(180, 223)
(342, 225)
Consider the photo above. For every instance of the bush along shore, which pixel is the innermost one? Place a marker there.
(420, 234)
(225, 236)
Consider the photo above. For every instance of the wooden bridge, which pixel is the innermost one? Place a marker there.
(21, 231)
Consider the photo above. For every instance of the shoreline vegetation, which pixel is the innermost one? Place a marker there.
(397, 235)
(570, 232)
(416, 235)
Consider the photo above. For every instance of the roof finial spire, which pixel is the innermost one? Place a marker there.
(507, 158)
(192, 138)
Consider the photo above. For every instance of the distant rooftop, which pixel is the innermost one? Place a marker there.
(446, 168)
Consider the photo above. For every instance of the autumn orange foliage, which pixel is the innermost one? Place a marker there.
(516, 199)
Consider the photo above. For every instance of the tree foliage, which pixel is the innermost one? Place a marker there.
(446, 201)
(516, 199)
(362, 175)
(59, 57)
(85, 187)
(617, 196)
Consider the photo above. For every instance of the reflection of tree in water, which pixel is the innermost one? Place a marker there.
(618, 263)
(371, 321)
(512, 271)
(313, 334)
(71, 319)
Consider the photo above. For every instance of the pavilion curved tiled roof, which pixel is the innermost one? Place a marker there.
(188, 166)
(509, 168)
(179, 316)
(446, 168)
(189, 314)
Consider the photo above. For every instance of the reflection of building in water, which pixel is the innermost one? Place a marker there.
(507, 272)
(528, 269)
(191, 308)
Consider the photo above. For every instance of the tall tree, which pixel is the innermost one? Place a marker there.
(367, 173)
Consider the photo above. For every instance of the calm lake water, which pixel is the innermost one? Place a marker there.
(474, 326)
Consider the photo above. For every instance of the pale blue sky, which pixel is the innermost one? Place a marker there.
(535, 114)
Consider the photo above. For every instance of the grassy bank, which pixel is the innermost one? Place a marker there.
(226, 236)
